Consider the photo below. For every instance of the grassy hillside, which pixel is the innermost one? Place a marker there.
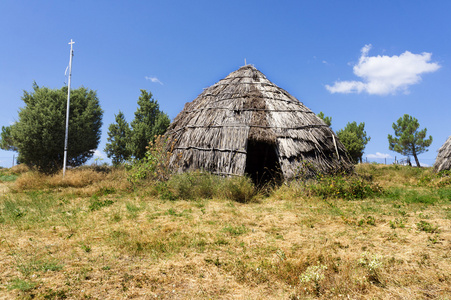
(385, 233)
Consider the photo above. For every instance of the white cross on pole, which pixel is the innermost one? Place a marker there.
(67, 109)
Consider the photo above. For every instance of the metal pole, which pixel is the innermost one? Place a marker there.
(67, 109)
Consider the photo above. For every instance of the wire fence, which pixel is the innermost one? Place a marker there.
(9, 161)
(424, 162)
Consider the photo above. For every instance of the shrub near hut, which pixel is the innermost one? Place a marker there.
(345, 187)
(155, 163)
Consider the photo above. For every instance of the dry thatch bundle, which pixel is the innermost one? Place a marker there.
(245, 124)
(443, 160)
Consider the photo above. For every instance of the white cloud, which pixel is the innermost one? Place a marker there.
(382, 75)
(379, 155)
(98, 153)
(153, 79)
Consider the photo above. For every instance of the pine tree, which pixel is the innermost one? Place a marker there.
(354, 138)
(327, 120)
(149, 122)
(117, 147)
(408, 140)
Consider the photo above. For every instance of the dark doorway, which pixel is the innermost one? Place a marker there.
(262, 163)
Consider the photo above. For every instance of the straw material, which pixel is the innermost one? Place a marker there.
(243, 112)
(443, 161)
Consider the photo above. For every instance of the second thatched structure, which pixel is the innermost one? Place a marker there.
(245, 124)
(443, 160)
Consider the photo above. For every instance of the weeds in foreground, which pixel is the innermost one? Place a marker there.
(314, 274)
(373, 264)
(427, 227)
(347, 187)
(342, 186)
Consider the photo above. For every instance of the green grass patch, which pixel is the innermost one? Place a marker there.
(97, 204)
(22, 285)
(8, 177)
(132, 208)
(417, 197)
(31, 207)
(235, 230)
(38, 265)
(444, 194)
(427, 196)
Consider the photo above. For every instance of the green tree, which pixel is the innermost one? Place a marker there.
(39, 133)
(149, 122)
(118, 140)
(408, 139)
(327, 120)
(354, 138)
(6, 141)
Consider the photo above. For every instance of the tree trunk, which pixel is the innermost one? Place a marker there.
(414, 153)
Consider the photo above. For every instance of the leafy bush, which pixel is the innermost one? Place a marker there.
(154, 165)
(338, 186)
(44, 113)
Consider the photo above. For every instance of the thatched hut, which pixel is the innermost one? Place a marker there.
(245, 124)
(443, 160)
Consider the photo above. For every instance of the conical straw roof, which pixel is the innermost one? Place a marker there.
(245, 110)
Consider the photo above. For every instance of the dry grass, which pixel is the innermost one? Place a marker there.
(85, 181)
(90, 236)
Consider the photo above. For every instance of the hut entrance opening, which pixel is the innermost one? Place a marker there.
(262, 163)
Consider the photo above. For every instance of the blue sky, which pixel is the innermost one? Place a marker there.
(363, 61)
